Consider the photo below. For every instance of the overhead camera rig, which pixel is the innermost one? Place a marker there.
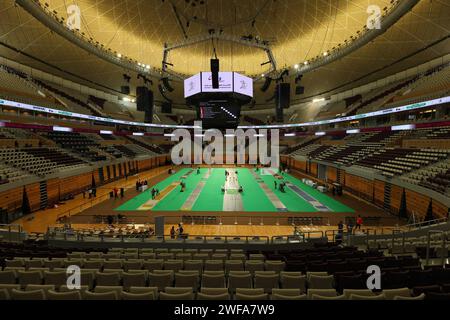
(220, 36)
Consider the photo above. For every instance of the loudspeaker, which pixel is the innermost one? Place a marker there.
(142, 98)
(166, 84)
(299, 90)
(125, 89)
(282, 100)
(166, 107)
(266, 84)
(284, 95)
(215, 67)
(159, 226)
(148, 115)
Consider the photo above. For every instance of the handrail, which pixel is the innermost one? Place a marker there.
(426, 223)
(429, 244)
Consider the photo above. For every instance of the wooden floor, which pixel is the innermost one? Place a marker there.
(251, 231)
(39, 221)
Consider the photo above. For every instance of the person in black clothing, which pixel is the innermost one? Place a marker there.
(110, 220)
(180, 229)
(340, 227)
(275, 183)
(172, 233)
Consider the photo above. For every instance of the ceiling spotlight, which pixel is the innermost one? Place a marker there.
(325, 53)
(296, 66)
(119, 55)
(305, 63)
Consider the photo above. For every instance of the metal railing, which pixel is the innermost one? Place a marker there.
(304, 237)
(429, 246)
(422, 224)
(10, 232)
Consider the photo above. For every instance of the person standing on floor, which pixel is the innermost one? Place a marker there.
(359, 222)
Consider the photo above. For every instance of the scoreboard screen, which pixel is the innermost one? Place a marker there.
(219, 114)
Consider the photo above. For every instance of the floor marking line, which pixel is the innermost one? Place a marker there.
(190, 201)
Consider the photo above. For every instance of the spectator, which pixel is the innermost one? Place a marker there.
(359, 222)
(172, 233)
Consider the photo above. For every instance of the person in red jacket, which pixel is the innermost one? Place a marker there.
(359, 222)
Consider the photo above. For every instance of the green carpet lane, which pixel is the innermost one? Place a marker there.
(334, 205)
(175, 200)
(254, 198)
(211, 197)
(139, 200)
(291, 200)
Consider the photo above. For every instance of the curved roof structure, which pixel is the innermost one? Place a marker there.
(295, 30)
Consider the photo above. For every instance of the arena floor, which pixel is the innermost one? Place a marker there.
(203, 193)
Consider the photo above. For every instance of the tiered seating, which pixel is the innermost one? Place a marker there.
(70, 99)
(77, 143)
(22, 160)
(11, 174)
(61, 159)
(143, 142)
(126, 151)
(397, 161)
(207, 274)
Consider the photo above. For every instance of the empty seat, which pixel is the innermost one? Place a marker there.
(154, 264)
(179, 296)
(187, 280)
(69, 295)
(137, 296)
(390, 294)
(321, 282)
(44, 287)
(132, 264)
(234, 265)
(113, 264)
(27, 295)
(277, 266)
(134, 279)
(239, 280)
(291, 281)
(193, 265)
(322, 292)
(287, 294)
(101, 289)
(107, 278)
(242, 296)
(204, 296)
(419, 297)
(214, 265)
(254, 265)
(213, 281)
(57, 278)
(174, 265)
(93, 264)
(366, 297)
(360, 292)
(7, 277)
(29, 277)
(267, 282)
(100, 296)
(160, 280)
